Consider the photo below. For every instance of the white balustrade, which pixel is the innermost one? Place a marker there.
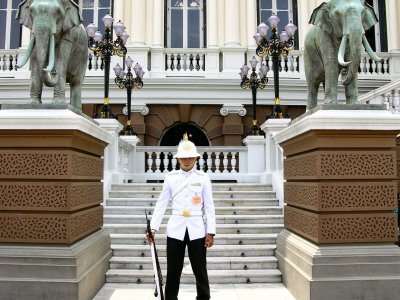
(387, 95)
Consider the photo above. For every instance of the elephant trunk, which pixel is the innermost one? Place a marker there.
(46, 62)
(350, 70)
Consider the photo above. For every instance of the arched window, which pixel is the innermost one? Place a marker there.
(286, 10)
(94, 10)
(185, 23)
(10, 29)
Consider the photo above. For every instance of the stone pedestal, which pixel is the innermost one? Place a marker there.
(50, 198)
(341, 188)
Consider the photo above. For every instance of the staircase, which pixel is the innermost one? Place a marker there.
(248, 221)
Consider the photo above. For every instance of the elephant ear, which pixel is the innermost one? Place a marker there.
(369, 18)
(23, 14)
(73, 16)
(320, 18)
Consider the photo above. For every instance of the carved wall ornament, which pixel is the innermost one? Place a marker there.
(227, 109)
(143, 109)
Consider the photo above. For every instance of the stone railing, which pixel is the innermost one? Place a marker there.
(387, 95)
(259, 161)
(185, 60)
(202, 62)
(221, 163)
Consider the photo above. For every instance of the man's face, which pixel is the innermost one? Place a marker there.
(187, 163)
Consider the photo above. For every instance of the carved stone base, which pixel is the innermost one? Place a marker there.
(49, 272)
(331, 272)
(341, 181)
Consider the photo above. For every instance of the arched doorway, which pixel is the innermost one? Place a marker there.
(173, 135)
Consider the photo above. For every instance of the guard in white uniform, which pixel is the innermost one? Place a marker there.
(192, 221)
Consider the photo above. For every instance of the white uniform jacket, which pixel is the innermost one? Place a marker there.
(191, 193)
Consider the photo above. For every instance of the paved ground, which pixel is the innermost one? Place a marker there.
(123, 291)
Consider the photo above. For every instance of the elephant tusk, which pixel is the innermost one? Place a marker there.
(28, 53)
(369, 50)
(342, 50)
(50, 66)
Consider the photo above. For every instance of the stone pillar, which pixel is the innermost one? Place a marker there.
(212, 24)
(255, 156)
(273, 154)
(111, 154)
(340, 190)
(50, 204)
(232, 51)
(232, 128)
(157, 47)
(392, 9)
(137, 29)
(251, 23)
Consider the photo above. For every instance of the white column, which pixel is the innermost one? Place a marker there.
(392, 8)
(127, 18)
(26, 37)
(138, 29)
(212, 24)
(304, 17)
(251, 22)
(119, 11)
(157, 46)
(232, 23)
(158, 23)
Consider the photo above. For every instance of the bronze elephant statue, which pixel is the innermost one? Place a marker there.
(333, 46)
(57, 50)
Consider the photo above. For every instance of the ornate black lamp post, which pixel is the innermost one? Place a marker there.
(254, 82)
(128, 82)
(276, 46)
(104, 46)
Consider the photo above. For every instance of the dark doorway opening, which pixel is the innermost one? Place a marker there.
(174, 134)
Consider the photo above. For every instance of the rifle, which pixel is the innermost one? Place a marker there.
(158, 291)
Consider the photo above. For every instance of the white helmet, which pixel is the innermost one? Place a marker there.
(186, 149)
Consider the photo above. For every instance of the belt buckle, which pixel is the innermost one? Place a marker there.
(186, 213)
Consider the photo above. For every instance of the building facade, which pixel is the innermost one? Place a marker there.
(192, 52)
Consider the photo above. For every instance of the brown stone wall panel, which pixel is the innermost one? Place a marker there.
(49, 164)
(334, 139)
(342, 228)
(304, 195)
(232, 129)
(304, 223)
(341, 165)
(52, 139)
(342, 196)
(49, 228)
(49, 196)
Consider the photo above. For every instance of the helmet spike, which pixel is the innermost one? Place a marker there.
(185, 137)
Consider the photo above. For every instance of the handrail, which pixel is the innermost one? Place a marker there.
(379, 91)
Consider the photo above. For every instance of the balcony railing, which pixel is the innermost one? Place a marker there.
(193, 62)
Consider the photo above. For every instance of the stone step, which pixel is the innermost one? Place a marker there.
(221, 228)
(217, 202)
(219, 210)
(224, 219)
(215, 276)
(220, 239)
(213, 263)
(215, 251)
(215, 186)
(216, 194)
